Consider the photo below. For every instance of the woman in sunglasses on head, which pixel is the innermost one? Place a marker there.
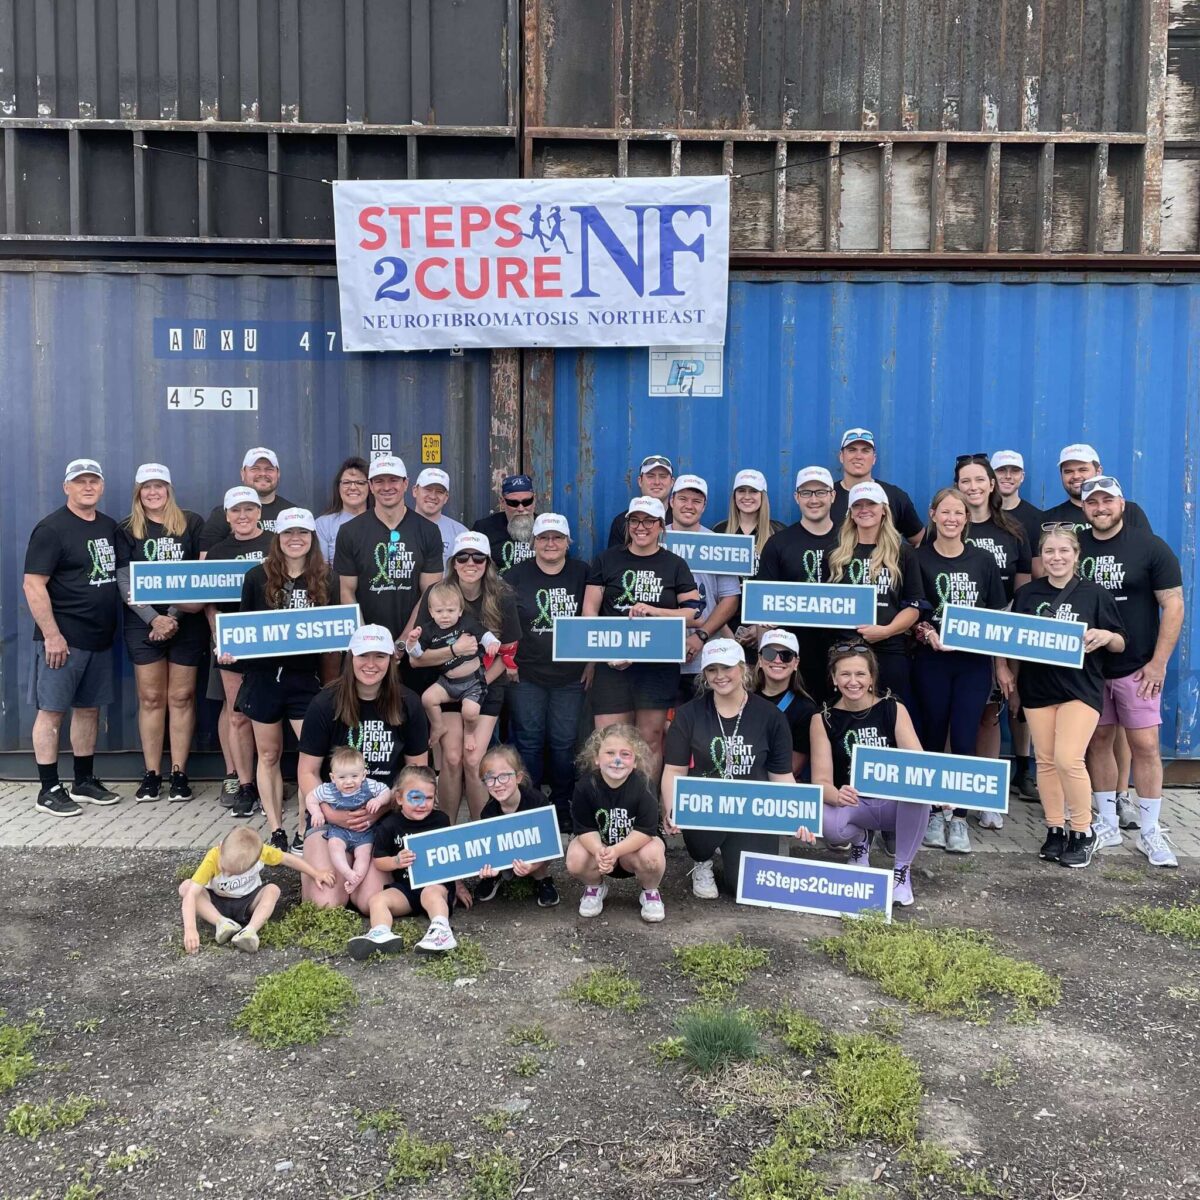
(864, 714)
(776, 678)
(951, 686)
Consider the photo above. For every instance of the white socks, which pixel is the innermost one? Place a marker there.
(1106, 806)
(1150, 810)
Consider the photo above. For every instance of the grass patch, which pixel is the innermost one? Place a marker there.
(81, 1189)
(798, 1031)
(951, 972)
(668, 1050)
(713, 1037)
(16, 1061)
(875, 1086)
(527, 1066)
(296, 1006)
(718, 969)
(133, 1157)
(496, 1121)
(885, 1021)
(758, 1085)
(411, 1159)
(517, 888)
(530, 1035)
(382, 1120)
(88, 1024)
(933, 1164)
(780, 1170)
(1002, 1073)
(607, 987)
(185, 871)
(494, 1176)
(32, 1120)
(467, 959)
(1175, 920)
(1187, 992)
(1122, 874)
(307, 927)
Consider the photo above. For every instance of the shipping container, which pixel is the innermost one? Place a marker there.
(937, 365)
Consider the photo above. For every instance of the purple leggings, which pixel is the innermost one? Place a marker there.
(853, 824)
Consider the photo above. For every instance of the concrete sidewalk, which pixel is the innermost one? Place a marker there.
(202, 822)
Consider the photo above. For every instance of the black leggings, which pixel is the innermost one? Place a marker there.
(702, 844)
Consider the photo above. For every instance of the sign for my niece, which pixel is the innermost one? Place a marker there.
(1014, 635)
(619, 639)
(429, 264)
(719, 553)
(274, 632)
(922, 777)
(808, 886)
(746, 806)
(819, 605)
(209, 582)
(459, 851)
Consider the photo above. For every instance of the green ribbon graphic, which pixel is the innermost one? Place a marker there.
(150, 549)
(717, 752)
(812, 566)
(543, 621)
(941, 585)
(603, 821)
(848, 742)
(381, 565)
(1087, 569)
(627, 582)
(98, 571)
(857, 570)
(356, 736)
(1042, 609)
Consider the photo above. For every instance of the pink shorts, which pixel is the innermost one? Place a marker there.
(1124, 707)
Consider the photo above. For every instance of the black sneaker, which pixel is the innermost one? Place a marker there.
(298, 844)
(547, 893)
(1079, 851)
(1027, 790)
(486, 889)
(55, 802)
(279, 841)
(150, 787)
(229, 790)
(180, 788)
(1054, 845)
(93, 791)
(245, 803)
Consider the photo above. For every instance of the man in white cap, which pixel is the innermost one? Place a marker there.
(260, 470)
(655, 477)
(430, 493)
(858, 457)
(1143, 575)
(389, 555)
(71, 589)
(1076, 463)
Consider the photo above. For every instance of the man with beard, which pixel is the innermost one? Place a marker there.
(510, 532)
(1078, 463)
(430, 494)
(260, 470)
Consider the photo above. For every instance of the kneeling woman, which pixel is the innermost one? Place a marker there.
(725, 733)
(860, 715)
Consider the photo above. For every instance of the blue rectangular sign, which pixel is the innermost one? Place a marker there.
(922, 777)
(1014, 635)
(444, 855)
(808, 886)
(746, 806)
(273, 632)
(213, 581)
(619, 639)
(817, 605)
(717, 553)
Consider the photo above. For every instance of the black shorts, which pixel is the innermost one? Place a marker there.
(414, 897)
(492, 704)
(188, 648)
(266, 697)
(619, 872)
(236, 908)
(640, 687)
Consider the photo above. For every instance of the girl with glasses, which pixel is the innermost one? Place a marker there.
(776, 677)
(351, 498)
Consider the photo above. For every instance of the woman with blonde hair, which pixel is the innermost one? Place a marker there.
(750, 510)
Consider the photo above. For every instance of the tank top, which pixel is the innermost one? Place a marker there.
(875, 726)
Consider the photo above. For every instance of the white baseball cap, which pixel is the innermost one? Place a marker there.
(652, 461)
(867, 491)
(551, 523)
(1105, 484)
(1078, 452)
(470, 541)
(255, 453)
(813, 475)
(295, 518)
(387, 464)
(81, 466)
(648, 506)
(241, 495)
(690, 482)
(857, 434)
(723, 652)
(433, 475)
(371, 639)
(149, 472)
(780, 637)
(1007, 458)
(751, 479)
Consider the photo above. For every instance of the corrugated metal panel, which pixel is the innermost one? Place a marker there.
(85, 368)
(937, 365)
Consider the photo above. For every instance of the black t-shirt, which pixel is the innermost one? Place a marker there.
(798, 711)
(628, 579)
(541, 598)
(510, 625)
(616, 531)
(1030, 518)
(1041, 685)
(1068, 512)
(159, 546)
(892, 596)
(715, 747)
(971, 579)
(1133, 565)
(874, 726)
(389, 835)
(216, 528)
(388, 564)
(79, 559)
(384, 746)
(1011, 551)
(614, 813)
(904, 515)
(507, 552)
(295, 595)
(530, 798)
(434, 637)
(230, 549)
(793, 555)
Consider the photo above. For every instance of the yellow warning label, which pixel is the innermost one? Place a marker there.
(431, 448)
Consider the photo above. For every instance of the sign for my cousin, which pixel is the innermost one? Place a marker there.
(428, 264)
(746, 806)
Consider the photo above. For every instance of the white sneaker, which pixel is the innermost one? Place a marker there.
(704, 886)
(1154, 844)
(1107, 836)
(652, 906)
(591, 904)
(245, 940)
(226, 929)
(378, 937)
(438, 939)
(991, 820)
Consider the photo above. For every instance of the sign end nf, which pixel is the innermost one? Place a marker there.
(619, 639)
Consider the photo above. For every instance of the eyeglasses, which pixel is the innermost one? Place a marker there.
(494, 777)
(518, 503)
(814, 493)
(352, 483)
(416, 797)
(777, 654)
(980, 457)
(642, 522)
(468, 556)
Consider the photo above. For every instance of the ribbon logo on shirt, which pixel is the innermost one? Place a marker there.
(544, 619)
(99, 553)
(856, 569)
(628, 582)
(812, 566)
(941, 585)
(355, 736)
(848, 742)
(381, 565)
(716, 750)
(150, 549)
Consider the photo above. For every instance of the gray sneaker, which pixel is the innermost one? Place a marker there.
(935, 835)
(958, 840)
(1128, 816)
(885, 842)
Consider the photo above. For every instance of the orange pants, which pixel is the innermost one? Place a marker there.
(1061, 733)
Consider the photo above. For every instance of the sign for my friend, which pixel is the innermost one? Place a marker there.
(213, 581)
(274, 632)
(808, 886)
(719, 553)
(444, 855)
(922, 777)
(746, 806)
(619, 639)
(817, 605)
(1014, 635)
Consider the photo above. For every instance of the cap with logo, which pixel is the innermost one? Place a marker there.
(857, 435)
(813, 475)
(724, 652)
(432, 476)
(387, 464)
(1007, 458)
(867, 491)
(470, 542)
(690, 483)
(1104, 484)
(648, 506)
(81, 466)
(515, 483)
(1078, 452)
(551, 523)
(651, 461)
(151, 473)
(780, 637)
(371, 639)
(751, 479)
(241, 495)
(255, 453)
(295, 518)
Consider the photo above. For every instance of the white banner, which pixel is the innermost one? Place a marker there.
(431, 264)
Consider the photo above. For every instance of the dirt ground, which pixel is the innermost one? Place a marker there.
(1098, 1099)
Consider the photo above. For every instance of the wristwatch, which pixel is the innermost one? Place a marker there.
(702, 634)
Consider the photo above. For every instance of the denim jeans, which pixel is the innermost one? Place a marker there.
(541, 717)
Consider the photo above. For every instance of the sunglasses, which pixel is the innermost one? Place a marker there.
(1058, 527)
(471, 556)
(416, 797)
(778, 654)
(518, 503)
(850, 648)
(963, 459)
(1099, 483)
(494, 777)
